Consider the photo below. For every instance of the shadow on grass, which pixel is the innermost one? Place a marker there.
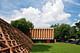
(40, 48)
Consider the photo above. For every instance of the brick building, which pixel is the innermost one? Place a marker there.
(42, 35)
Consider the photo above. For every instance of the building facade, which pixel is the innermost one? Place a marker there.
(42, 35)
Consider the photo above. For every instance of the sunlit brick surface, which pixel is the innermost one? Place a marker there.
(42, 33)
(12, 40)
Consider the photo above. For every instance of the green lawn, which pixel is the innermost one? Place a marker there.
(55, 48)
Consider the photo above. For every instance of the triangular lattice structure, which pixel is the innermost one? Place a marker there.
(13, 40)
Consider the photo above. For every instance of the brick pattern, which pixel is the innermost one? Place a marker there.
(13, 40)
(42, 33)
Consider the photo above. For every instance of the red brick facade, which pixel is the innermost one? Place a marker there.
(42, 34)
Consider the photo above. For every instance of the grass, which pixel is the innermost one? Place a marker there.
(55, 48)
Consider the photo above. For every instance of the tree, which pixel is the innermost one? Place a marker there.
(78, 25)
(55, 30)
(73, 32)
(78, 29)
(62, 31)
(78, 34)
(23, 25)
(54, 26)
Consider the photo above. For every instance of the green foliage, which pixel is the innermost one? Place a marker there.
(73, 32)
(64, 31)
(22, 25)
(78, 34)
(54, 26)
(56, 32)
(78, 29)
(78, 25)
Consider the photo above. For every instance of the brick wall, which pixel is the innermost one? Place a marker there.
(42, 34)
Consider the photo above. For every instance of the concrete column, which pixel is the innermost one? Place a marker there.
(46, 34)
(37, 36)
(39, 33)
(49, 33)
(43, 32)
(34, 33)
(52, 33)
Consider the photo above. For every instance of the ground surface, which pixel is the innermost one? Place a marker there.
(55, 48)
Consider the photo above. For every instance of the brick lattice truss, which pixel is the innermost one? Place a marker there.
(13, 40)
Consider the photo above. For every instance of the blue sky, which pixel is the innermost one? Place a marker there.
(73, 8)
(42, 13)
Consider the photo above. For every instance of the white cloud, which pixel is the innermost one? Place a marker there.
(52, 12)
(78, 20)
(73, 24)
(73, 2)
(78, 15)
(67, 0)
